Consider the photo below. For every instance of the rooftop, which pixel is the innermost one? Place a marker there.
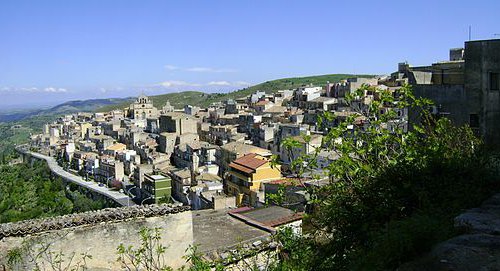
(276, 109)
(183, 173)
(157, 177)
(242, 148)
(267, 218)
(214, 230)
(324, 99)
(248, 163)
(117, 147)
(208, 177)
(262, 103)
(287, 182)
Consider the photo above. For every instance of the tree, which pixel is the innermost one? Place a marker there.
(387, 176)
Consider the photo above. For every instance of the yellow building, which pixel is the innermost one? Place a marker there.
(246, 176)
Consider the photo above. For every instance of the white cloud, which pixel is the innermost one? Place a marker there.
(55, 90)
(208, 69)
(7, 89)
(171, 67)
(110, 89)
(31, 89)
(198, 69)
(174, 83)
(219, 83)
(184, 85)
(34, 89)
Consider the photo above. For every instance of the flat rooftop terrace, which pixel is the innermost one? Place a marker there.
(215, 229)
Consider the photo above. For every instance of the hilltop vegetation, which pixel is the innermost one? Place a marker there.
(29, 191)
(18, 132)
(179, 99)
(87, 105)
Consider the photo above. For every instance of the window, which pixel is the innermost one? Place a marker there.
(494, 81)
(474, 120)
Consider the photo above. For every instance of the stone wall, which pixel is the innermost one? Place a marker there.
(100, 233)
(449, 98)
(481, 59)
(33, 226)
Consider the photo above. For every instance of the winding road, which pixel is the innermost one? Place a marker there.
(118, 197)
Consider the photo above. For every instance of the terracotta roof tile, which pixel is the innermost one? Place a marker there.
(250, 161)
(242, 168)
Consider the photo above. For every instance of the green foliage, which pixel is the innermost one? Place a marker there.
(295, 251)
(18, 132)
(29, 191)
(278, 198)
(148, 256)
(82, 203)
(197, 262)
(402, 240)
(393, 193)
(9, 137)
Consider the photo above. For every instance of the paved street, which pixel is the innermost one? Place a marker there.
(120, 198)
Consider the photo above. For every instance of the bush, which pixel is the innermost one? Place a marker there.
(392, 193)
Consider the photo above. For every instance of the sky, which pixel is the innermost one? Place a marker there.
(54, 51)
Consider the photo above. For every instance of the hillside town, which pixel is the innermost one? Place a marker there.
(215, 157)
(243, 135)
(222, 156)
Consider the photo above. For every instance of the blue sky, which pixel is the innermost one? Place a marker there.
(53, 51)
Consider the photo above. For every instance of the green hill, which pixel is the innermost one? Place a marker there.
(61, 109)
(179, 99)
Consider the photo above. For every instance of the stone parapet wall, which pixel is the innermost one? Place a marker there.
(101, 241)
(34, 226)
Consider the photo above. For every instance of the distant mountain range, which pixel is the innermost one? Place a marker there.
(178, 99)
(64, 108)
